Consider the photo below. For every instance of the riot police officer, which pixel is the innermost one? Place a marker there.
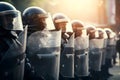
(42, 47)
(95, 51)
(114, 48)
(109, 52)
(102, 35)
(81, 50)
(12, 46)
(61, 22)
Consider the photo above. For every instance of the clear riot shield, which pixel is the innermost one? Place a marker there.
(81, 56)
(95, 54)
(104, 47)
(14, 59)
(104, 52)
(110, 47)
(67, 59)
(43, 49)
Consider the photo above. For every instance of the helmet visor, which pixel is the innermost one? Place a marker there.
(40, 22)
(11, 20)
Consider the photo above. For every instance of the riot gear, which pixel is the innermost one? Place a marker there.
(12, 46)
(91, 31)
(59, 17)
(108, 32)
(35, 18)
(77, 27)
(100, 33)
(114, 49)
(109, 52)
(10, 18)
(62, 22)
(43, 49)
(95, 51)
(81, 45)
(110, 43)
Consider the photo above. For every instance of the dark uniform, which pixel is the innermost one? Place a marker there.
(67, 46)
(81, 50)
(12, 46)
(102, 35)
(43, 48)
(95, 52)
(109, 53)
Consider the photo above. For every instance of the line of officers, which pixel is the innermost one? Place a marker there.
(37, 46)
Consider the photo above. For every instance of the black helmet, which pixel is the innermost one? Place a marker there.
(91, 31)
(4, 6)
(30, 12)
(77, 25)
(108, 32)
(34, 10)
(32, 16)
(10, 18)
(62, 19)
(100, 33)
(59, 17)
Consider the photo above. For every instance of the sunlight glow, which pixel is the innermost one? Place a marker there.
(86, 10)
